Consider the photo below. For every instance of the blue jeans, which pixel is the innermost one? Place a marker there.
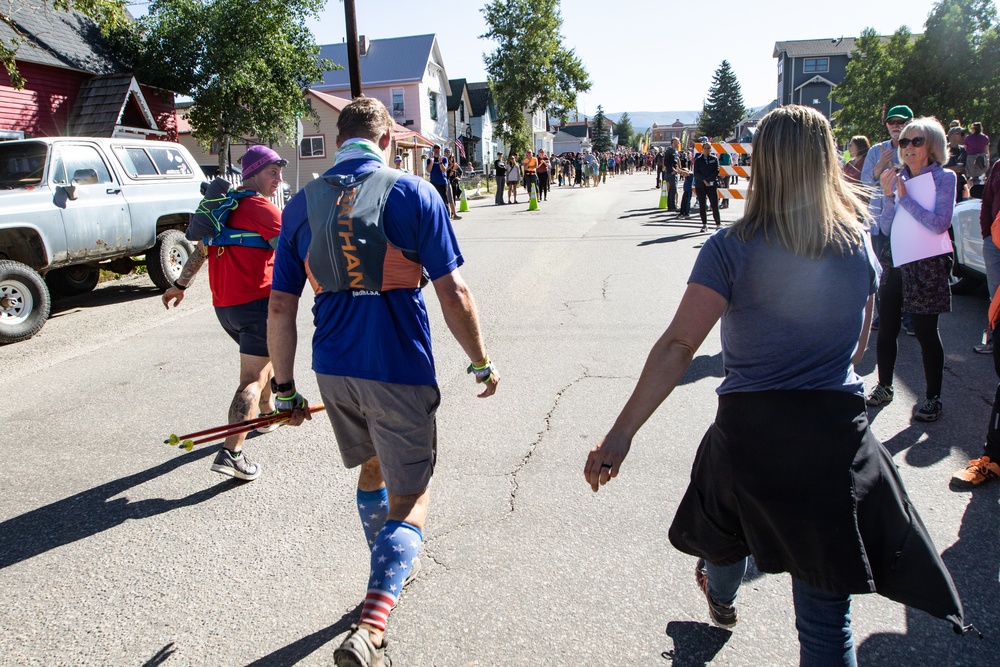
(991, 257)
(822, 619)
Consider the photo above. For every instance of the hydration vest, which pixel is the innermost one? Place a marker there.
(209, 223)
(349, 249)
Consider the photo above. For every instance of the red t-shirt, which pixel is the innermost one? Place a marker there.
(237, 274)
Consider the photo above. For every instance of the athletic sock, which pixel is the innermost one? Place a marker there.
(373, 506)
(396, 548)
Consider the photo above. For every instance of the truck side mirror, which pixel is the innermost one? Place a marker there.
(80, 177)
(85, 177)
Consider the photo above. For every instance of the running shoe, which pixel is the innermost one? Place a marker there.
(880, 395)
(238, 466)
(929, 410)
(977, 472)
(357, 650)
(269, 427)
(985, 348)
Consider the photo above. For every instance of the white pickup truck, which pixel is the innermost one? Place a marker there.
(72, 206)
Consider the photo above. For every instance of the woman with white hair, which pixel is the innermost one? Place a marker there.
(790, 471)
(920, 288)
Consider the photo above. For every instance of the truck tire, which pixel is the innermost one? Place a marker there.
(165, 261)
(24, 302)
(73, 280)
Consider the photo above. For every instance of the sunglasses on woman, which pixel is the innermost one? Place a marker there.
(916, 141)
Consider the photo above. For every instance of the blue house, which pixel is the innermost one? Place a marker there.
(808, 69)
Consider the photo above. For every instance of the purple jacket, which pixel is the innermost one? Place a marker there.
(938, 220)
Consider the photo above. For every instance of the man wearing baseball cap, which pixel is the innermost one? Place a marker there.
(239, 277)
(881, 157)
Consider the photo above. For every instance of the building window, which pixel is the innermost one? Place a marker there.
(433, 98)
(461, 112)
(312, 147)
(397, 102)
(816, 65)
(781, 66)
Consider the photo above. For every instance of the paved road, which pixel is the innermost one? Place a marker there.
(118, 550)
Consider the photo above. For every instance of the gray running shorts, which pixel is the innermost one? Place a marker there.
(395, 422)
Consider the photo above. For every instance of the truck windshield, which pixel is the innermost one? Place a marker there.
(22, 164)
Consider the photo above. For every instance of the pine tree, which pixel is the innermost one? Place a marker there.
(625, 130)
(724, 108)
(602, 136)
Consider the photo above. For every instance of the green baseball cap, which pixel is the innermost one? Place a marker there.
(900, 111)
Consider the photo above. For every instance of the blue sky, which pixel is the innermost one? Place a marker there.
(642, 55)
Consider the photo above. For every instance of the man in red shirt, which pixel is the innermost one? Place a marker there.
(240, 279)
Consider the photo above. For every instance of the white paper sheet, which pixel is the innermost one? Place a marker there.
(911, 240)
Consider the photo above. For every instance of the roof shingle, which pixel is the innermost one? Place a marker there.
(68, 40)
(394, 60)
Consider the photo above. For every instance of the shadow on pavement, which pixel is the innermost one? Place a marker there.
(683, 236)
(91, 512)
(703, 367)
(695, 644)
(161, 656)
(103, 296)
(973, 562)
(638, 212)
(297, 650)
(921, 453)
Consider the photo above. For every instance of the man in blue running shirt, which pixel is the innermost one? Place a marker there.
(363, 236)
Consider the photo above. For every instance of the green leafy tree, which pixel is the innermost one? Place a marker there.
(953, 68)
(530, 69)
(873, 79)
(244, 64)
(108, 14)
(724, 108)
(602, 133)
(625, 131)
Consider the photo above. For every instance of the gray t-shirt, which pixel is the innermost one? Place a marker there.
(792, 323)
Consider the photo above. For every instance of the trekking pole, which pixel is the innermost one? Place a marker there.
(188, 440)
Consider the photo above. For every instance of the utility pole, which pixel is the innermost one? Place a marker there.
(353, 62)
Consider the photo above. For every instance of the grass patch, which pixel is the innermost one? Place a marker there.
(111, 275)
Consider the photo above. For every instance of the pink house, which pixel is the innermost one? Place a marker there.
(405, 73)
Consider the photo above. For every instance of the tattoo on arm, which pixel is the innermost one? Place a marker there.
(192, 265)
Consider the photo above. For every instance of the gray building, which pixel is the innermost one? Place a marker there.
(809, 68)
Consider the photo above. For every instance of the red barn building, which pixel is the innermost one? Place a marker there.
(74, 84)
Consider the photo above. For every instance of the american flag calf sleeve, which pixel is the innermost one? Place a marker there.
(396, 548)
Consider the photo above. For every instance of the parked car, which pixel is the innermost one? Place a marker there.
(212, 170)
(970, 268)
(70, 207)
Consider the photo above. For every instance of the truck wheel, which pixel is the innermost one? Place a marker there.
(73, 280)
(24, 302)
(165, 261)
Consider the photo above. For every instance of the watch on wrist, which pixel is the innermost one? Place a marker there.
(179, 286)
(283, 387)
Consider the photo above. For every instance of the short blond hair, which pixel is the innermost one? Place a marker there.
(797, 194)
(363, 118)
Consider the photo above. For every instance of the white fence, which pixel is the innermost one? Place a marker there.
(279, 199)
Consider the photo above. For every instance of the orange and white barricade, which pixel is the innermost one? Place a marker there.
(731, 170)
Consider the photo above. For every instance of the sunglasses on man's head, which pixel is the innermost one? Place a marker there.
(916, 141)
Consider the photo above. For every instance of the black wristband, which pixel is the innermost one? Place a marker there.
(283, 387)
(179, 286)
